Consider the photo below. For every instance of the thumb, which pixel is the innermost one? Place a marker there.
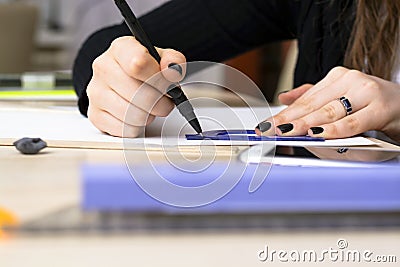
(287, 98)
(173, 64)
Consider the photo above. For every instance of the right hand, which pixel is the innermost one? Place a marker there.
(118, 74)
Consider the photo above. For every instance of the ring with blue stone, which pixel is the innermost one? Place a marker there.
(346, 104)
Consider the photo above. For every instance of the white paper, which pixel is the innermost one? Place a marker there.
(309, 162)
(264, 153)
(70, 126)
(346, 142)
(49, 125)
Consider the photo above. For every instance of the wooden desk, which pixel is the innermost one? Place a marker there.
(188, 249)
(33, 186)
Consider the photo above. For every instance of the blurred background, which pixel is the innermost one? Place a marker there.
(56, 28)
(45, 35)
(41, 196)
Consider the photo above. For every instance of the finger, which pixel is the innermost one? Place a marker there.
(138, 93)
(287, 98)
(172, 64)
(334, 87)
(333, 75)
(351, 125)
(302, 105)
(350, 80)
(151, 101)
(134, 58)
(136, 61)
(107, 123)
(121, 109)
(331, 112)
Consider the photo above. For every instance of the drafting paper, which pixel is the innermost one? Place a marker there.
(68, 128)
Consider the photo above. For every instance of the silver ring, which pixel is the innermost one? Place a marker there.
(342, 150)
(346, 104)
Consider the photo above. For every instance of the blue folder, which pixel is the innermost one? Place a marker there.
(286, 189)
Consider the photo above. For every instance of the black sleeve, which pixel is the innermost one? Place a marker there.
(93, 47)
(211, 30)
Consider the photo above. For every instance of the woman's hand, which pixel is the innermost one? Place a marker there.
(118, 85)
(288, 97)
(317, 110)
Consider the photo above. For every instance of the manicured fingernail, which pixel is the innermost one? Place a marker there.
(283, 92)
(285, 127)
(317, 130)
(264, 126)
(176, 67)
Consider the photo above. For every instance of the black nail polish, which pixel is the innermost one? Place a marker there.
(317, 130)
(264, 126)
(285, 127)
(176, 67)
(283, 92)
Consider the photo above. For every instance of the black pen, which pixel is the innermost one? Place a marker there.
(174, 91)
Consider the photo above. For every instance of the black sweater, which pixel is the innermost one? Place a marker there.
(215, 30)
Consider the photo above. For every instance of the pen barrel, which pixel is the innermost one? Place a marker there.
(175, 91)
(136, 29)
(180, 100)
(178, 97)
(184, 106)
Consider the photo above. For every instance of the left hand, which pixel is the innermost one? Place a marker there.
(317, 111)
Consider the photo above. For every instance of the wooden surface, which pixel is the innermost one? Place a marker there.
(188, 249)
(34, 186)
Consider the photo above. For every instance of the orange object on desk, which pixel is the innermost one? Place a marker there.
(6, 219)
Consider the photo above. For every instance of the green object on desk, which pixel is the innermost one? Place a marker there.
(33, 86)
(36, 81)
(41, 93)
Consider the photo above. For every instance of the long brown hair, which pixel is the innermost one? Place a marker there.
(374, 45)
